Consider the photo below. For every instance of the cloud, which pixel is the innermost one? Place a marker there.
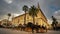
(49, 21)
(50, 6)
(8, 1)
(45, 5)
(15, 6)
(57, 15)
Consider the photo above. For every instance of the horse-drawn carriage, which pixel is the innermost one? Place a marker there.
(32, 27)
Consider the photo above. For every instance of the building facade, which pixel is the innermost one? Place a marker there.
(40, 19)
(5, 21)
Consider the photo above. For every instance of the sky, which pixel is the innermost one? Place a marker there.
(49, 7)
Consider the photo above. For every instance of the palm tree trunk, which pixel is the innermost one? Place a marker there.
(8, 20)
(25, 18)
(33, 19)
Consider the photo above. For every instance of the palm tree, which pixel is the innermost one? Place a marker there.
(9, 14)
(54, 23)
(25, 9)
(33, 12)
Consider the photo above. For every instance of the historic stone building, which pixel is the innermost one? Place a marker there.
(40, 19)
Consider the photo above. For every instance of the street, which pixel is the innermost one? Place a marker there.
(11, 31)
(51, 32)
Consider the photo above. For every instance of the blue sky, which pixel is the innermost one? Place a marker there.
(49, 7)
